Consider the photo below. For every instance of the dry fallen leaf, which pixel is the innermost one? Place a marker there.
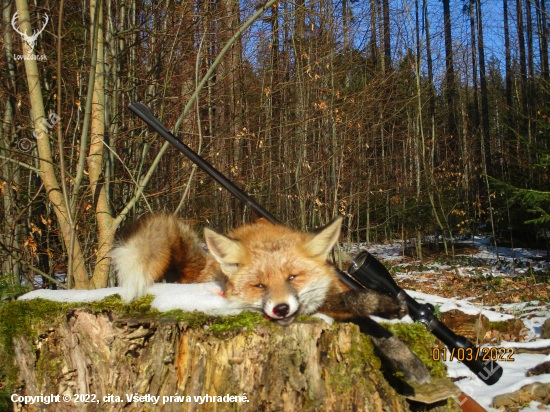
(35, 229)
(31, 243)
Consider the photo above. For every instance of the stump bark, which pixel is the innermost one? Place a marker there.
(308, 366)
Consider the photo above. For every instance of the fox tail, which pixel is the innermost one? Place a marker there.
(152, 248)
(131, 273)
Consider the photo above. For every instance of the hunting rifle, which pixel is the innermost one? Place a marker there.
(364, 272)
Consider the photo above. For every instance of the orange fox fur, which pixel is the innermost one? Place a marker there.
(262, 266)
(270, 268)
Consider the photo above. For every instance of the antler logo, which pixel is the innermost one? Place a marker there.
(30, 40)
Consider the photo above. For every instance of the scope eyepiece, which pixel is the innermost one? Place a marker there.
(371, 273)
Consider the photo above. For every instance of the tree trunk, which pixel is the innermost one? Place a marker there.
(95, 161)
(10, 196)
(430, 70)
(475, 119)
(544, 41)
(449, 67)
(373, 43)
(508, 56)
(308, 366)
(483, 85)
(387, 42)
(530, 57)
(47, 171)
(522, 66)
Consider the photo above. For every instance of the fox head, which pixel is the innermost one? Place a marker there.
(275, 269)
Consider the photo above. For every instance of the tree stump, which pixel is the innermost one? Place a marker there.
(105, 361)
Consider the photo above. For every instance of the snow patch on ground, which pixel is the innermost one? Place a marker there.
(70, 296)
(513, 378)
(446, 304)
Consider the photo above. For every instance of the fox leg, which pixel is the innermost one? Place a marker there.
(361, 303)
(356, 305)
(394, 350)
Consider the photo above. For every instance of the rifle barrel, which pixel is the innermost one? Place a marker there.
(143, 112)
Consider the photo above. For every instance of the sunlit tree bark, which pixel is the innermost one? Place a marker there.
(483, 86)
(47, 171)
(95, 161)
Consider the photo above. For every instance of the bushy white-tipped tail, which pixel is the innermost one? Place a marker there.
(131, 271)
(148, 248)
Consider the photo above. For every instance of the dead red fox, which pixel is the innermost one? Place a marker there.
(270, 268)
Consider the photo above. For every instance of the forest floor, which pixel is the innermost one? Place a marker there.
(504, 285)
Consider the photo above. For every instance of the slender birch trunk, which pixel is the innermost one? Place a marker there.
(47, 171)
(9, 264)
(95, 162)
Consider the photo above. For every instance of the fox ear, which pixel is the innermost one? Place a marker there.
(324, 238)
(225, 250)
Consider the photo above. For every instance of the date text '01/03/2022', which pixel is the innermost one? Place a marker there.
(473, 354)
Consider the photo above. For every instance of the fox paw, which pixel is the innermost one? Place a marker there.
(391, 308)
(415, 371)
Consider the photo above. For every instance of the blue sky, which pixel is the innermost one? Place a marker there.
(403, 36)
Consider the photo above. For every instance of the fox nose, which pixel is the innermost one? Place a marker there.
(281, 310)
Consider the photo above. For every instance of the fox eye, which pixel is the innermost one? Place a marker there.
(292, 277)
(259, 286)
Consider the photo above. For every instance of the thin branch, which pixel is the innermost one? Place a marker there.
(190, 103)
(23, 164)
(128, 170)
(194, 168)
(58, 283)
(27, 206)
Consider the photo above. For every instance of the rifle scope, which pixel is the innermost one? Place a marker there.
(364, 272)
(369, 271)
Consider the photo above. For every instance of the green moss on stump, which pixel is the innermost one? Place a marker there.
(421, 342)
(25, 318)
(243, 322)
(360, 361)
(20, 318)
(113, 303)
